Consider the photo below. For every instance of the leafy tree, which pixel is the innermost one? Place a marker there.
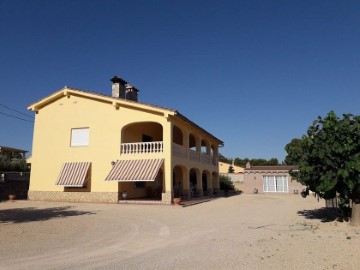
(226, 183)
(273, 162)
(256, 162)
(8, 164)
(294, 151)
(329, 159)
(5, 163)
(224, 159)
(241, 162)
(231, 169)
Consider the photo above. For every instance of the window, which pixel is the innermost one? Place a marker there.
(79, 137)
(277, 183)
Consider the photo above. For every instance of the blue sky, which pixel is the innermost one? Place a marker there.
(253, 73)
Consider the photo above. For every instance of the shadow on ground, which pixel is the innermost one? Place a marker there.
(30, 214)
(323, 214)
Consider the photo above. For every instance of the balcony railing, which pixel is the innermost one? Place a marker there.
(205, 158)
(183, 152)
(194, 155)
(158, 147)
(179, 150)
(142, 148)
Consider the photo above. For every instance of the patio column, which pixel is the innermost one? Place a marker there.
(167, 142)
(216, 183)
(186, 143)
(199, 189)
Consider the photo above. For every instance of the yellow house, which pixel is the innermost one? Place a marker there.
(89, 147)
(224, 168)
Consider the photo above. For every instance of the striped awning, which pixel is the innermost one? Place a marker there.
(73, 174)
(135, 170)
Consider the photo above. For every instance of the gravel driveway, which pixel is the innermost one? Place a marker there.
(239, 232)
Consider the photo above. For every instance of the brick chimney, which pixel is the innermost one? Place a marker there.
(131, 92)
(118, 87)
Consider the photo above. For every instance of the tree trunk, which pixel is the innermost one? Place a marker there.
(355, 215)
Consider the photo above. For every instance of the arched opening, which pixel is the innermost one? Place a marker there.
(177, 135)
(193, 183)
(142, 138)
(204, 147)
(178, 178)
(204, 181)
(192, 142)
(142, 132)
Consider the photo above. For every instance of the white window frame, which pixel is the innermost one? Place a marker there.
(80, 137)
(275, 183)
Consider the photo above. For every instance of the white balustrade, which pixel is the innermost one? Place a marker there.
(142, 148)
(158, 147)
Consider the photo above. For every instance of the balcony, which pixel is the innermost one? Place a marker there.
(142, 148)
(183, 152)
(158, 147)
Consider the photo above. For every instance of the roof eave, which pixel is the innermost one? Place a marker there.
(221, 143)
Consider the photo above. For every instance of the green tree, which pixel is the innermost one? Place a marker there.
(294, 151)
(13, 165)
(256, 162)
(273, 162)
(231, 169)
(241, 162)
(329, 160)
(226, 183)
(224, 159)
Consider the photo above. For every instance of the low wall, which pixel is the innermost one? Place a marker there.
(59, 196)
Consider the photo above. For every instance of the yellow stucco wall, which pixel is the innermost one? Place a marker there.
(52, 137)
(108, 123)
(224, 168)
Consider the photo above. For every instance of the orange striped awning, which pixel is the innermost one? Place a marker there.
(135, 170)
(73, 174)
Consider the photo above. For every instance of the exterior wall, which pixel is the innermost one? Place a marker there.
(109, 127)
(237, 179)
(255, 180)
(52, 136)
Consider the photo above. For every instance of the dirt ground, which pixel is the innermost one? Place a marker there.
(239, 232)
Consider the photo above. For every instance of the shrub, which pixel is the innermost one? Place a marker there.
(226, 183)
